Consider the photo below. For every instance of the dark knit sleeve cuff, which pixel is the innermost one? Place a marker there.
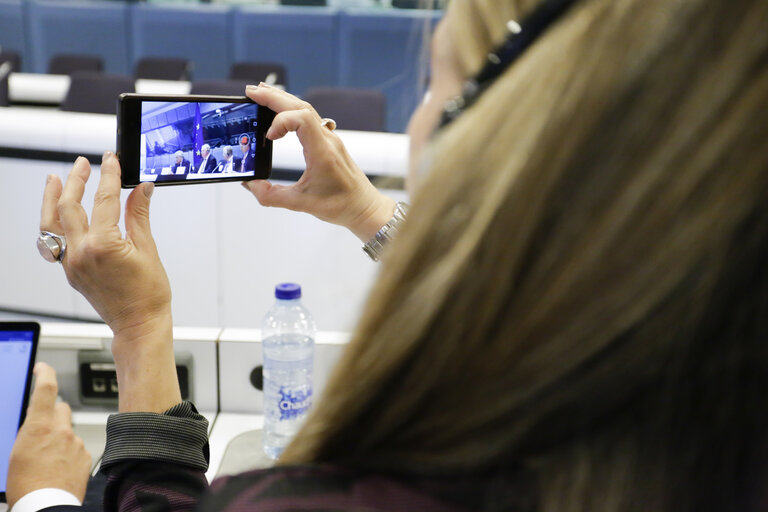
(179, 435)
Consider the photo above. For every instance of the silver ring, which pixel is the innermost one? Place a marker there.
(329, 123)
(51, 246)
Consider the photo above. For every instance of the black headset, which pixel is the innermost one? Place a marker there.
(520, 38)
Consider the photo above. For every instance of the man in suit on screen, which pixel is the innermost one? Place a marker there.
(181, 162)
(227, 163)
(247, 162)
(208, 164)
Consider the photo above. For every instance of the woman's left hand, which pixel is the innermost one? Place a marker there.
(332, 187)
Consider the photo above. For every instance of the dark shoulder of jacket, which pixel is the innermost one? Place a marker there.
(328, 487)
(276, 483)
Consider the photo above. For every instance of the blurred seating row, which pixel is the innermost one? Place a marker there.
(159, 68)
(352, 109)
(319, 47)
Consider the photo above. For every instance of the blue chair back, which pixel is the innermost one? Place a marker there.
(352, 109)
(96, 92)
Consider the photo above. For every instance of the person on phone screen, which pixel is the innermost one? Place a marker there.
(247, 160)
(572, 318)
(208, 164)
(227, 163)
(181, 165)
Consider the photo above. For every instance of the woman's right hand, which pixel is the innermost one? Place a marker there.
(332, 188)
(121, 276)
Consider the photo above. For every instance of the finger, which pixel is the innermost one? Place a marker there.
(45, 392)
(49, 214)
(62, 414)
(106, 202)
(312, 135)
(277, 99)
(269, 194)
(71, 213)
(137, 216)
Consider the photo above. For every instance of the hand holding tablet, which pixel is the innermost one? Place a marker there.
(47, 453)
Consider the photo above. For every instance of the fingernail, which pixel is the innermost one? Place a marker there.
(106, 156)
(264, 84)
(48, 179)
(251, 88)
(149, 188)
(80, 158)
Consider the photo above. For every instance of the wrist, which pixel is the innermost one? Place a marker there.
(154, 330)
(146, 366)
(373, 217)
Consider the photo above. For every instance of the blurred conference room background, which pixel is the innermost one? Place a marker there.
(62, 65)
(350, 44)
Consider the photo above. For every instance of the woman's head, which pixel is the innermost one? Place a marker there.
(446, 79)
(460, 43)
(581, 286)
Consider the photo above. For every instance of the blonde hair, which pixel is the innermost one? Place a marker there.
(581, 285)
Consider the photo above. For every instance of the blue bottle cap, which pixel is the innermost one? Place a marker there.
(288, 291)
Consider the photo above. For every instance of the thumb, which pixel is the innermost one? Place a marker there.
(137, 215)
(269, 194)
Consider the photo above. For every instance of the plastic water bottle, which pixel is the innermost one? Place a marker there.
(288, 341)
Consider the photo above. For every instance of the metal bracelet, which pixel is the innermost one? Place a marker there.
(375, 246)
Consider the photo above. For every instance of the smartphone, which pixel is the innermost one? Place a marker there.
(178, 140)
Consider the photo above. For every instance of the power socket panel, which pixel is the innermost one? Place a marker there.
(98, 378)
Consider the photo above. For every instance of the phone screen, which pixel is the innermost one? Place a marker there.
(17, 352)
(175, 142)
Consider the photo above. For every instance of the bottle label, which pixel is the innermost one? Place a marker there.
(294, 403)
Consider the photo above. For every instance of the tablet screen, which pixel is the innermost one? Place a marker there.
(18, 343)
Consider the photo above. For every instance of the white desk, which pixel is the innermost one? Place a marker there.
(245, 454)
(38, 88)
(147, 86)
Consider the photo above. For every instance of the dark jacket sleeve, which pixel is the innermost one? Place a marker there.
(155, 462)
